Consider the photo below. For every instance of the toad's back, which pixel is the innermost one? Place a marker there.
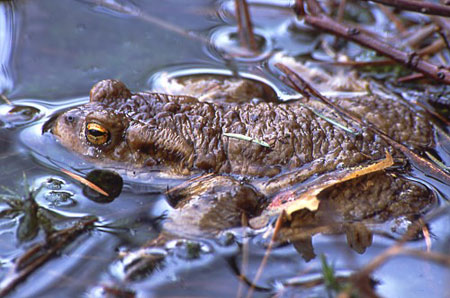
(180, 134)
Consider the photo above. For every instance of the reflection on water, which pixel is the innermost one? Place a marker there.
(225, 44)
(60, 55)
(9, 29)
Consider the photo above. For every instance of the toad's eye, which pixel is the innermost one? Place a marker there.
(96, 134)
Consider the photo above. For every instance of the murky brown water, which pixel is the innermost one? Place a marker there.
(52, 52)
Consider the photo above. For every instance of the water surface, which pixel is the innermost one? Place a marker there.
(52, 52)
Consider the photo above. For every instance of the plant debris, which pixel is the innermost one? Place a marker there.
(85, 182)
(246, 138)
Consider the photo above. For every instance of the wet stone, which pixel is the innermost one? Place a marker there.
(188, 249)
(109, 181)
(226, 239)
(18, 116)
(54, 184)
(60, 198)
(137, 266)
(225, 44)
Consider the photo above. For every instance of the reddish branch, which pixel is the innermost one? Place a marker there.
(245, 26)
(303, 87)
(299, 8)
(411, 60)
(419, 6)
(40, 253)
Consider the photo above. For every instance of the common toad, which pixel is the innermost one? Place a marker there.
(289, 143)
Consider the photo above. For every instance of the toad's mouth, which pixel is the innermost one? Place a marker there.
(45, 149)
(49, 124)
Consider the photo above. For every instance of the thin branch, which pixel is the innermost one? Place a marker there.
(444, 37)
(418, 6)
(5, 99)
(277, 228)
(241, 34)
(358, 63)
(245, 254)
(307, 90)
(435, 114)
(391, 251)
(411, 77)
(420, 34)
(40, 253)
(245, 26)
(411, 60)
(314, 7)
(393, 18)
(341, 10)
(435, 47)
(435, 257)
(249, 26)
(299, 8)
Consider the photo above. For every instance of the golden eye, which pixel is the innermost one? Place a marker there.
(96, 134)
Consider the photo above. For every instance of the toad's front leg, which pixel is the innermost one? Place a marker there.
(210, 204)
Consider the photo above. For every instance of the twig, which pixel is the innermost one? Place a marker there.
(86, 182)
(358, 63)
(249, 26)
(393, 18)
(311, 283)
(411, 60)
(391, 251)
(444, 37)
(245, 253)
(428, 255)
(418, 6)
(398, 249)
(341, 10)
(411, 77)
(380, 259)
(267, 253)
(37, 255)
(117, 291)
(5, 99)
(433, 48)
(306, 89)
(244, 279)
(299, 8)
(245, 26)
(435, 114)
(419, 35)
(241, 34)
(314, 7)
(426, 235)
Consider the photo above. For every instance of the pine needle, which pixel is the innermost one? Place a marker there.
(246, 138)
(85, 182)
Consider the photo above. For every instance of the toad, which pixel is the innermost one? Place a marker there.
(246, 153)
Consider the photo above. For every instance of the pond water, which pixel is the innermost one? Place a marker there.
(52, 52)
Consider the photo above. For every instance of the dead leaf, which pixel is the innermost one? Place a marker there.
(306, 197)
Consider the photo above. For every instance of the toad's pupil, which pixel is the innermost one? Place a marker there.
(97, 134)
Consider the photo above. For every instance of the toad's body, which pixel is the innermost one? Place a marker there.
(180, 135)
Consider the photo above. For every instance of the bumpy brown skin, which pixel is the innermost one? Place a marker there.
(181, 135)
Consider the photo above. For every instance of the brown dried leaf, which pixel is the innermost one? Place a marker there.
(290, 201)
